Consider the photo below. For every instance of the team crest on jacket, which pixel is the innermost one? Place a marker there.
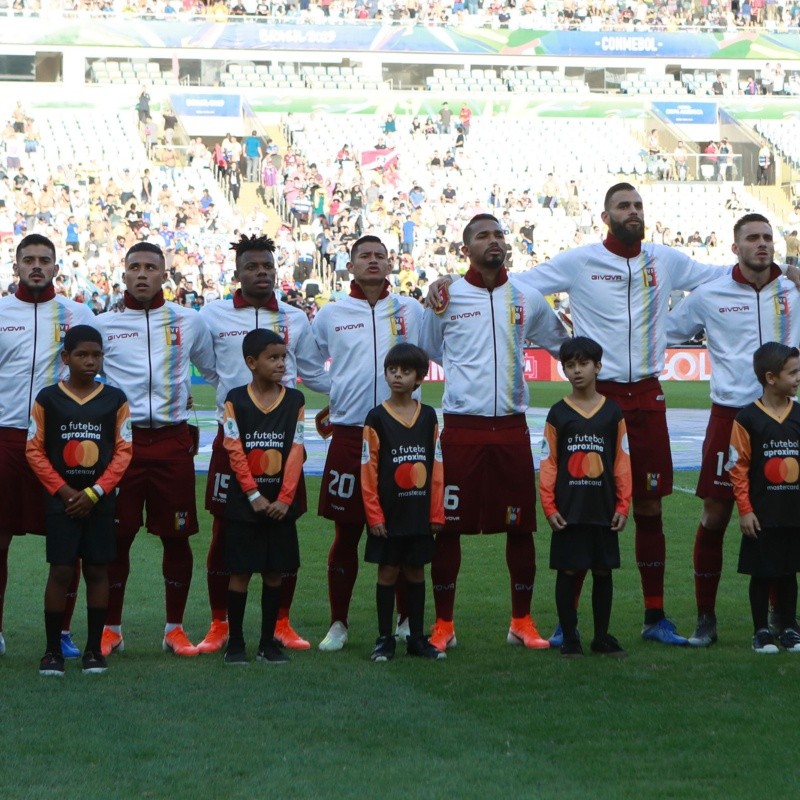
(398, 323)
(517, 314)
(649, 276)
(173, 336)
(59, 331)
(282, 330)
(781, 305)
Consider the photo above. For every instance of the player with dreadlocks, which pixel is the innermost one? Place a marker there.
(254, 305)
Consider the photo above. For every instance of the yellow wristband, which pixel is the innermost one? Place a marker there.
(91, 494)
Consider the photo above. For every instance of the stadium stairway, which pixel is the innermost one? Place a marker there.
(774, 198)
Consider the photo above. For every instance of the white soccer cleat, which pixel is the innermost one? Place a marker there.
(335, 639)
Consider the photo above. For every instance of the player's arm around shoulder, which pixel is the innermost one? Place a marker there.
(544, 327)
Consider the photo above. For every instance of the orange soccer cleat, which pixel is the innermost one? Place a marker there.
(288, 637)
(111, 642)
(443, 635)
(178, 642)
(216, 638)
(523, 631)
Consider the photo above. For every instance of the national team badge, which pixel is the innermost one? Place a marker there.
(173, 335)
(59, 331)
(513, 516)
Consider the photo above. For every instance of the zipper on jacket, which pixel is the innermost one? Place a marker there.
(630, 324)
(33, 362)
(149, 368)
(374, 360)
(494, 349)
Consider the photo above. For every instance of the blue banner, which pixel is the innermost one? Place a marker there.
(207, 105)
(680, 112)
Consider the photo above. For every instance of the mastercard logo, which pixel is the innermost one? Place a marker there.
(411, 475)
(265, 462)
(80, 453)
(585, 465)
(782, 470)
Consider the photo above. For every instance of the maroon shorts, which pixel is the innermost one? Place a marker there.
(340, 494)
(22, 496)
(645, 411)
(490, 483)
(220, 474)
(160, 482)
(714, 480)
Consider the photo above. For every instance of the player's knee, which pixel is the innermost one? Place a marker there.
(61, 575)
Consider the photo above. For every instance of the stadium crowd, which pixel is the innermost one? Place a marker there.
(657, 15)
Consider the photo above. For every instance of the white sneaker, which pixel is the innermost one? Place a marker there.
(335, 639)
(2, 645)
(403, 631)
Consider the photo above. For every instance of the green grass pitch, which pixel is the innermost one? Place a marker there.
(492, 721)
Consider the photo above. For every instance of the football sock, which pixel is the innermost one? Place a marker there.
(651, 553)
(270, 599)
(176, 566)
(71, 597)
(52, 629)
(521, 561)
(343, 570)
(401, 595)
(3, 580)
(580, 577)
(786, 587)
(288, 585)
(416, 608)
(444, 574)
(707, 568)
(565, 604)
(217, 576)
(759, 602)
(118, 571)
(602, 595)
(95, 617)
(236, 605)
(384, 601)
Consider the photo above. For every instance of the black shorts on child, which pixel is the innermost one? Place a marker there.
(392, 551)
(774, 553)
(92, 539)
(582, 547)
(268, 546)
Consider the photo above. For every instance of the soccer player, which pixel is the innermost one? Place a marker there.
(34, 322)
(585, 487)
(401, 483)
(264, 436)
(149, 346)
(765, 452)
(79, 446)
(488, 467)
(619, 296)
(356, 332)
(254, 305)
(740, 311)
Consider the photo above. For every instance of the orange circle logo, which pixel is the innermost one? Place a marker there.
(80, 453)
(585, 465)
(411, 475)
(782, 470)
(265, 462)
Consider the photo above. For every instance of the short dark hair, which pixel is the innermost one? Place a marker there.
(742, 221)
(78, 334)
(407, 356)
(145, 247)
(258, 340)
(254, 242)
(617, 187)
(466, 236)
(369, 238)
(580, 347)
(772, 357)
(34, 238)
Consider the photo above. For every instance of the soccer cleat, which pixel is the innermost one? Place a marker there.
(443, 635)
(790, 640)
(571, 648)
(112, 642)
(68, 648)
(557, 639)
(178, 642)
(421, 647)
(94, 663)
(523, 631)
(384, 649)
(764, 642)
(705, 634)
(608, 646)
(288, 637)
(335, 639)
(2, 645)
(216, 638)
(52, 665)
(402, 631)
(664, 632)
(271, 654)
(235, 658)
